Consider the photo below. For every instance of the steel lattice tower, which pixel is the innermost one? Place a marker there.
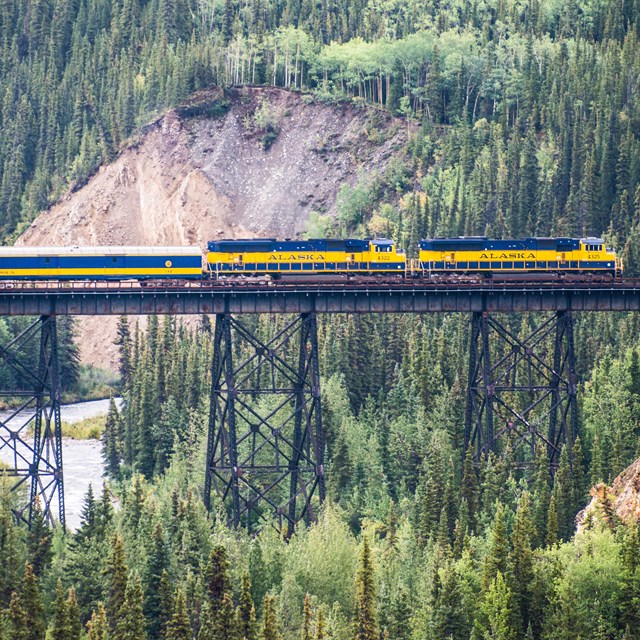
(521, 389)
(265, 453)
(32, 431)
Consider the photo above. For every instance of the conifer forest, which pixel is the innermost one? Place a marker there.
(523, 119)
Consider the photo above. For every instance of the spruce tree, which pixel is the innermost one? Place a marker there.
(321, 626)
(32, 604)
(110, 444)
(73, 616)
(270, 627)
(97, 626)
(246, 611)
(17, 619)
(365, 627)
(117, 582)
(401, 612)
(578, 474)
(494, 621)
(157, 564)
(9, 547)
(134, 503)
(39, 540)
(433, 480)
(206, 629)
(541, 495)
(600, 459)
(225, 621)
(87, 527)
(217, 578)
(564, 496)
(307, 615)
(60, 627)
(104, 514)
(497, 557)
(469, 489)
(179, 627)
(447, 617)
(392, 526)
(123, 341)
(130, 621)
(552, 524)
(521, 575)
(166, 604)
(461, 530)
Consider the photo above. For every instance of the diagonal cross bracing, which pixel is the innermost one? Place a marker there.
(265, 454)
(30, 432)
(521, 389)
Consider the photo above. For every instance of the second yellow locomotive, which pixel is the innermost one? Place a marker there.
(525, 256)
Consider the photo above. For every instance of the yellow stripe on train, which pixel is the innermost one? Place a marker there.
(101, 272)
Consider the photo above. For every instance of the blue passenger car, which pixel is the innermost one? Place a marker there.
(100, 263)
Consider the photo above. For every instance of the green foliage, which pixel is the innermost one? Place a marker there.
(179, 627)
(270, 627)
(365, 627)
(130, 621)
(97, 626)
(110, 440)
(519, 120)
(117, 583)
(494, 621)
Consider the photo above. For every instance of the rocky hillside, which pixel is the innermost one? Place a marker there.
(618, 503)
(259, 169)
(254, 162)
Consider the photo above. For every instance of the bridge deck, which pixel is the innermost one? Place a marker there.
(128, 298)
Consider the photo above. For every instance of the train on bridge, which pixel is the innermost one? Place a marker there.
(470, 258)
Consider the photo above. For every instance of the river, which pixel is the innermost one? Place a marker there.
(81, 459)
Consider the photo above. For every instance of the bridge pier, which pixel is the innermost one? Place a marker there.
(31, 431)
(265, 452)
(521, 390)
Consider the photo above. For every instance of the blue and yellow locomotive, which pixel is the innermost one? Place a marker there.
(323, 256)
(480, 255)
(232, 260)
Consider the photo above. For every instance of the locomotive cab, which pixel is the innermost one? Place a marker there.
(597, 257)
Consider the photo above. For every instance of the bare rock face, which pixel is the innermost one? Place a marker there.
(619, 502)
(258, 169)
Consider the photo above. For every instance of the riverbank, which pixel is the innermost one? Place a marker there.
(82, 458)
(87, 429)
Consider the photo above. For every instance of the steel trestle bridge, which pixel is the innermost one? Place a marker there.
(130, 298)
(265, 455)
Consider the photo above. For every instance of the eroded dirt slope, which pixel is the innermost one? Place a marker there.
(191, 179)
(619, 502)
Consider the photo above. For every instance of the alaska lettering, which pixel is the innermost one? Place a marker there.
(507, 256)
(297, 257)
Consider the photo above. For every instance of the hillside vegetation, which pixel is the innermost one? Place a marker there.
(529, 110)
(521, 117)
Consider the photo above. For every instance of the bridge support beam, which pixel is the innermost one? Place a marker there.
(265, 453)
(521, 389)
(30, 432)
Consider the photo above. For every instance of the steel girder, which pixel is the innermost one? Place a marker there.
(265, 453)
(521, 389)
(30, 431)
